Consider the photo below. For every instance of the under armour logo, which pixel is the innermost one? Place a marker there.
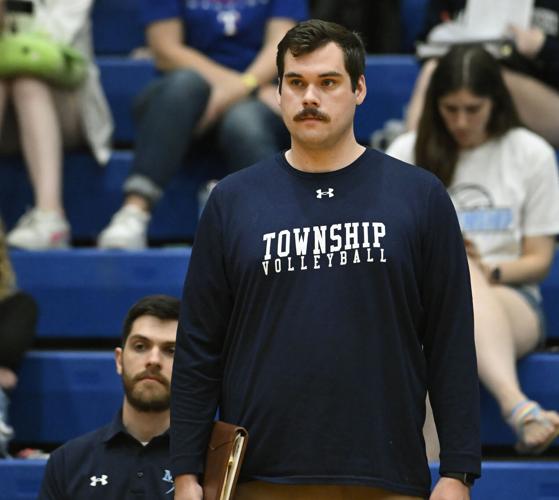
(99, 480)
(229, 18)
(168, 478)
(329, 192)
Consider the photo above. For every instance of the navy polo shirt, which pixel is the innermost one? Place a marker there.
(109, 463)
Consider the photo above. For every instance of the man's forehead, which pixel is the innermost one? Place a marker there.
(153, 329)
(328, 58)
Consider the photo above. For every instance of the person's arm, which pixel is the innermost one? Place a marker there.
(449, 342)
(534, 44)
(165, 40)
(531, 267)
(197, 369)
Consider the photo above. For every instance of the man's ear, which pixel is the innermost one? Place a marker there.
(118, 360)
(360, 90)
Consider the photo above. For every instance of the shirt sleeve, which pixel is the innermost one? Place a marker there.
(52, 487)
(541, 208)
(158, 10)
(402, 148)
(291, 9)
(449, 338)
(197, 370)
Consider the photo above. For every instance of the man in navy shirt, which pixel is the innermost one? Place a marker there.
(129, 458)
(327, 291)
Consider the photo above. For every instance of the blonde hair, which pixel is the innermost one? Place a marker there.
(7, 276)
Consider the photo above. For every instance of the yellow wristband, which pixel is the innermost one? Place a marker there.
(250, 81)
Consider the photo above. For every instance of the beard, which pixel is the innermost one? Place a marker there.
(150, 399)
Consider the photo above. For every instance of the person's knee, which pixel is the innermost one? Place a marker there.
(246, 121)
(26, 88)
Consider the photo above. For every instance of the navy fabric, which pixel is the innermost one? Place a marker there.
(230, 32)
(108, 464)
(317, 310)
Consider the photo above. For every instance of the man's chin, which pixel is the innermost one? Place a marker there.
(147, 401)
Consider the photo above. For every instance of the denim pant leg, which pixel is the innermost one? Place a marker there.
(6, 432)
(250, 131)
(166, 112)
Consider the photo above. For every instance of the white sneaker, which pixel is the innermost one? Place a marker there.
(127, 229)
(40, 230)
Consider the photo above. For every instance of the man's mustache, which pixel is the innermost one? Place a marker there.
(154, 375)
(311, 113)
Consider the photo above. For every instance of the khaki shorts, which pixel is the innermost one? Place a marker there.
(258, 490)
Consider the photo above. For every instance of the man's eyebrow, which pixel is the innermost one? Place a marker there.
(330, 73)
(292, 74)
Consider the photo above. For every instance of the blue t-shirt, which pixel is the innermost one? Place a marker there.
(230, 32)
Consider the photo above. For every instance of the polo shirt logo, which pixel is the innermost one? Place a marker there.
(103, 480)
(329, 192)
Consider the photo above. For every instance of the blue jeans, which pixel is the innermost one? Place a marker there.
(167, 113)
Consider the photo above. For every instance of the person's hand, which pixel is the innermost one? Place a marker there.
(267, 94)
(528, 42)
(188, 488)
(8, 379)
(225, 94)
(448, 488)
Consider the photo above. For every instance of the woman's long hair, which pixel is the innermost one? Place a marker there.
(463, 67)
(7, 277)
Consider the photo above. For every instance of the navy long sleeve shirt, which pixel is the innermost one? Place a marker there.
(318, 309)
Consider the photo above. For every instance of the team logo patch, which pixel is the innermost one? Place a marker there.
(329, 192)
(103, 480)
(168, 478)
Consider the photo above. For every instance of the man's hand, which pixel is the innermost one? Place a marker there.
(448, 488)
(223, 95)
(188, 488)
(528, 42)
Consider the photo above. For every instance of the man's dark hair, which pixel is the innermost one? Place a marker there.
(163, 307)
(308, 36)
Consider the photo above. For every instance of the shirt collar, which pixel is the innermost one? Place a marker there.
(116, 428)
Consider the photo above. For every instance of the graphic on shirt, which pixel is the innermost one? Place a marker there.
(228, 12)
(476, 210)
(168, 478)
(103, 480)
(316, 247)
(329, 192)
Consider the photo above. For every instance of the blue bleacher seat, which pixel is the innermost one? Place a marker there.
(62, 394)
(86, 293)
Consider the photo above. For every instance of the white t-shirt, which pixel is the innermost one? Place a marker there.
(503, 190)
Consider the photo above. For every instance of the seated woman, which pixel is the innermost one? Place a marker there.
(504, 184)
(40, 118)
(18, 319)
(531, 71)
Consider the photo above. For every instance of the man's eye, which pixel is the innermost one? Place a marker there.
(295, 82)
(170, 350)
(139, 347)
(328, 83)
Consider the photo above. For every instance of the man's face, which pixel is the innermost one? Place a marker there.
(146, 363)
(466, 116)
(316, 100)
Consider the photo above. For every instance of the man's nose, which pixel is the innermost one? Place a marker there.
(310, 97)
(154, 357)
(462, 119)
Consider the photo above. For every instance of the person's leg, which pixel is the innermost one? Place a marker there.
(166, 113)
(537, 104)
(506, 328)
(415, 106)
(250, 131)
(41, 142)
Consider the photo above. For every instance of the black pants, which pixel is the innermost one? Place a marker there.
(18, 322)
